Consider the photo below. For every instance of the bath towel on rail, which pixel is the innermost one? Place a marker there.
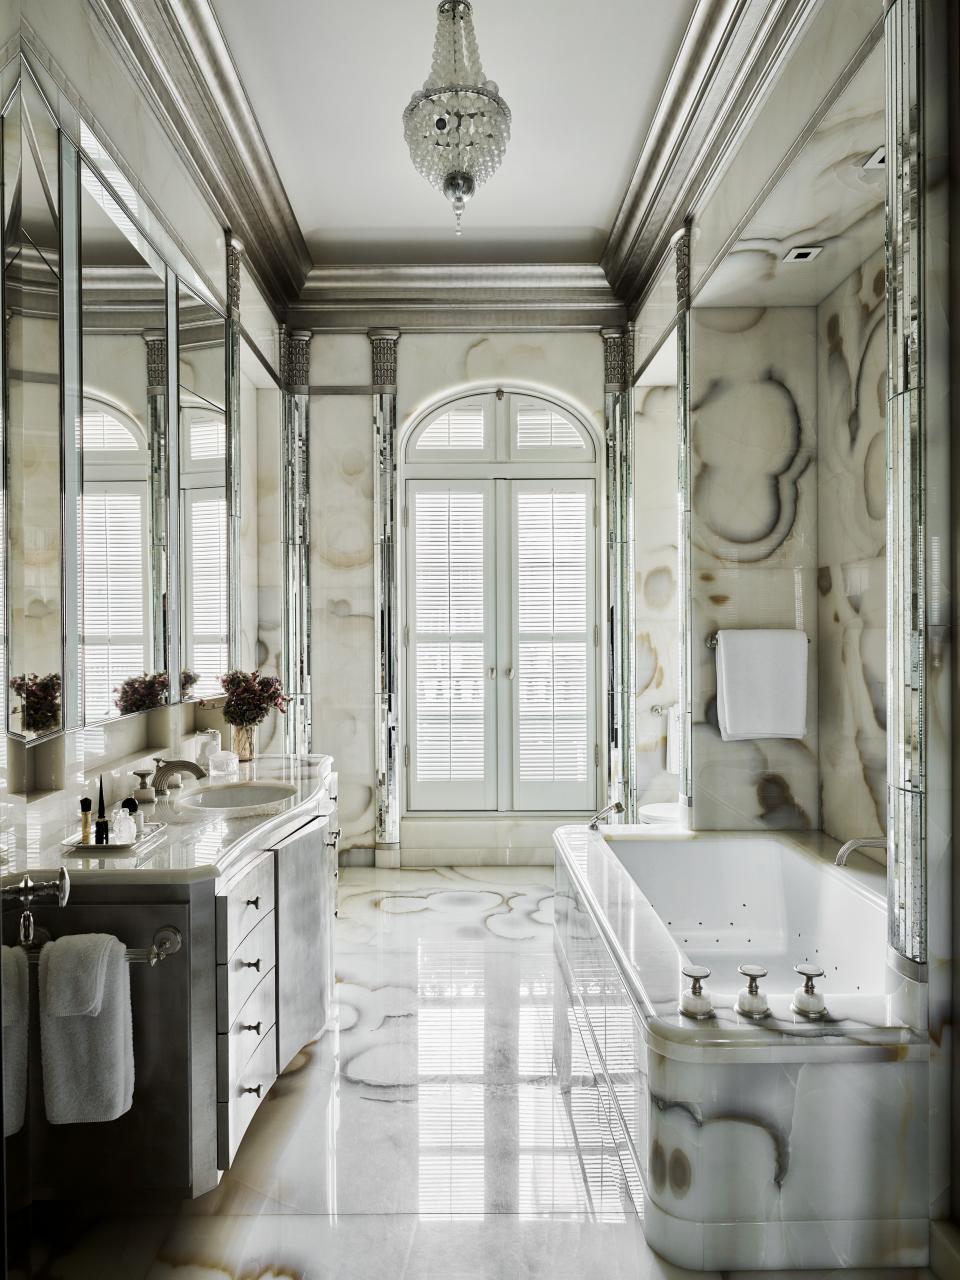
(86, 1029)
(16, 1028)
(761, 684)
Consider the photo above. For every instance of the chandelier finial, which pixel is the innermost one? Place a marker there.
(457, 126)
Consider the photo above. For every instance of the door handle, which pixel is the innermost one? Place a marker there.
(492, 673)
(509, 673)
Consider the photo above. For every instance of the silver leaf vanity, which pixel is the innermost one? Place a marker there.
(254, 900)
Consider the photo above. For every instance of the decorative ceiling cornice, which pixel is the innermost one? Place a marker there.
(732, 52)
(177, 52)
(539, 296)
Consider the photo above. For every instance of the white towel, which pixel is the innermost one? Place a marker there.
(673, 738)
(761, 684)
(16, 1031)
(86, 1029)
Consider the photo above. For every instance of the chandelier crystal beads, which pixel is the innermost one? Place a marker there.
(457, 126)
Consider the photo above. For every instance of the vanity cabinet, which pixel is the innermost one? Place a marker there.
(274, 970)
(305, 865)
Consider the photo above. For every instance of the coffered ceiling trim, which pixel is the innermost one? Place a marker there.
(177, 52)
(731, 55)
(531, 296)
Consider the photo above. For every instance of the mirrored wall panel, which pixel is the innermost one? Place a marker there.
(33, 369)
(204, 612)
(123, 449)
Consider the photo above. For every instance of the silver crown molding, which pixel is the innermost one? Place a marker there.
(732, 52)
(179, 57)
(505, 297)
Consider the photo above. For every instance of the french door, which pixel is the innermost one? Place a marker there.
(501, 644)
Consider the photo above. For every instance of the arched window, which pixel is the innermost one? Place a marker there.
(500, 514)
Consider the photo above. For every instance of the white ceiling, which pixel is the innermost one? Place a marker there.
(328, 81)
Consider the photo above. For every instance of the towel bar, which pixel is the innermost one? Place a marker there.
(167, 941)
(711, 640)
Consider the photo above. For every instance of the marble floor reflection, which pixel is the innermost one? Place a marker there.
(425, 1134)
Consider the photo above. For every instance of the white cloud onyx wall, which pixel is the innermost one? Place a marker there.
(656, 609)
(851, 580)
(754, 556)
(431, 367)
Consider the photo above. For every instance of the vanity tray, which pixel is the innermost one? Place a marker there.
(75, 849)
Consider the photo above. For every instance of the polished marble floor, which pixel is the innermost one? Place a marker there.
(425, 1135)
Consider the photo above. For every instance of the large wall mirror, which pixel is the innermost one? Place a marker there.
(204, 541)
(32, 305)
(123, 450)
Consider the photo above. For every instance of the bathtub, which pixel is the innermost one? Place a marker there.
(778, 1144)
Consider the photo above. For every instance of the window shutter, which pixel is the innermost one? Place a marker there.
(541, 427)
(114, 548)
(554, 704)
(450, 565)
(205, 578)
(459, 427)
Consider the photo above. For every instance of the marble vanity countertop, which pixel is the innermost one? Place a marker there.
(649, 960)
(194, 845)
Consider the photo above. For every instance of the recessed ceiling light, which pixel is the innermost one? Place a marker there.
(878, 160)
(803, 253)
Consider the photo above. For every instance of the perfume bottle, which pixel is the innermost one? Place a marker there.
(86, 820)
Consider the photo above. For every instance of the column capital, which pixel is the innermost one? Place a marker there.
(383, 344)
(155, 341)
(614, 359)
(296, 364)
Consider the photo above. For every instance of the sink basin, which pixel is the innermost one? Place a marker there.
(239, 799)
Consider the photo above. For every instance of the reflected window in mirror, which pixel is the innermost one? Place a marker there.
(33, 376)
(123, 450)
(205, 569)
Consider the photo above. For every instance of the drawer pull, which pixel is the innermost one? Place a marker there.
(249, 964)
(254, 902)
(253, 1088)
(251, 1026)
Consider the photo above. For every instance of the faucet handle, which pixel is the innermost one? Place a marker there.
(807, 1001)
(751, 1001)
(695, 1003)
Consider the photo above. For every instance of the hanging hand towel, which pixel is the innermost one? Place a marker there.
(86, 1029)
(16, 1030)
(761, 684)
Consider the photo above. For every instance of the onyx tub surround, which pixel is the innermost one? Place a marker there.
(772, 1141)
(250, 891)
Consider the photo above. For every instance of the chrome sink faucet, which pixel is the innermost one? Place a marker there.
(166, 768)
(863, 842)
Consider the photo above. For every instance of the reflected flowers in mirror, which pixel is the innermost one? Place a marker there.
(39, 700)
(142, 693)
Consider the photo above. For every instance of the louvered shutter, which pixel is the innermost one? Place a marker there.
(452, 645)
(205, 588)
(115, 642)
(553, 701)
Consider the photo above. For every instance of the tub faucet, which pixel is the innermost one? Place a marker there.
(165, 768)
(616, 807)
(864, 842)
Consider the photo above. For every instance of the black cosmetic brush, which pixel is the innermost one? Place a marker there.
(102, 828)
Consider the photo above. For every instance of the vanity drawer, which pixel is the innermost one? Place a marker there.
(236, 980)
(243, 906)
(247, 1091)
(255, 1020)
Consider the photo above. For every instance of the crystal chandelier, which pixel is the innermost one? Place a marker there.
(457, 126)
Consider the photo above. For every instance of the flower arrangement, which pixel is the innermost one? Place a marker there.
(39, 700)
(188, 679)
(142, 693)
(250, 696)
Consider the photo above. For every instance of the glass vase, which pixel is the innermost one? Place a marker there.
(244, 741)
